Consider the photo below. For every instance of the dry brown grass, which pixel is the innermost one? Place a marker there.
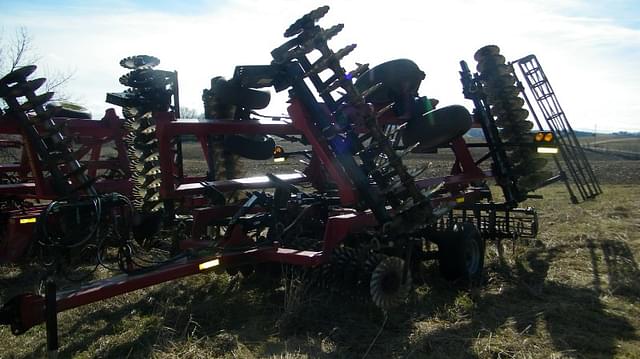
(572, 293)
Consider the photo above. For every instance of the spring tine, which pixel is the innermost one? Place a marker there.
(383, 110)
(130, 112)
(141, 180)
(428, 193)
(418, 171)
(139, 191)
(397, 129)
(370, 90)
(131, 124)
(134, 153)
(139, 167)
(408, 150)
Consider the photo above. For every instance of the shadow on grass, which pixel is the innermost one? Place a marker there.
(158, 319)
(575, 318)
(622, 268)
(436, 322)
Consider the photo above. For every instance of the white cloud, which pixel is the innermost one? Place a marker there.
(589, 61)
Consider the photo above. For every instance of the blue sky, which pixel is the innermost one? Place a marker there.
(589, 50)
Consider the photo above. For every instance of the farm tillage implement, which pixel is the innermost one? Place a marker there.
(356, 213)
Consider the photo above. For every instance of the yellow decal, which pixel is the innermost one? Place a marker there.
(209, 264)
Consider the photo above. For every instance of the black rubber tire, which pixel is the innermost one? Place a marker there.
(259, 147)
(461, 254)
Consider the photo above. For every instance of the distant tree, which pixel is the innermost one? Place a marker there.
(18, 50)
(186, 112)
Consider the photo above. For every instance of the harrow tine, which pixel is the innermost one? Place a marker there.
(23, 88)
(371, 90)
(323, 63)
(326, 35)
(398, 129)
(418, 171)
(340, 54)
(384, 110)
(306, 22)
(409, 149)
(37, 101)
(18, 75)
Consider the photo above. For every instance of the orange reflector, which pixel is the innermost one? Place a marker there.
(27, 220)
(209, 264)
(278, 151)
(548, 137)
(539, 136)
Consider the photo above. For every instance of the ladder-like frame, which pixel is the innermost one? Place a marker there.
(575, 160)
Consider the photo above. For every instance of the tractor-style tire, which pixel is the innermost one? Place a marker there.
(461, 254)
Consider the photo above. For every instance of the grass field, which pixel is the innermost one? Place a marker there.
(572, 293)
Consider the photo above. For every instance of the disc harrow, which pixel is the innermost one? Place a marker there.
(511, 116)
(366, 155)
(53, 148)
(355, 220)
(149, 90)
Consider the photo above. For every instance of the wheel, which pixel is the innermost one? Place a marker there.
(461, 254)
(387, 287)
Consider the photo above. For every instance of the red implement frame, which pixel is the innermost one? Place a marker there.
(90, 138)
(28, 310)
